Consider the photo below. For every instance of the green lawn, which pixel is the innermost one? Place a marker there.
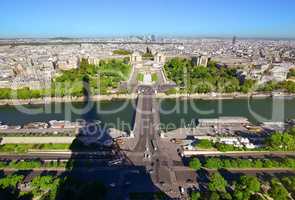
(140, 77)
(24, 148)
(154, 77)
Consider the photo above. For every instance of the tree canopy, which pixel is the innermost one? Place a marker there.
(217, 183)
(201, 79)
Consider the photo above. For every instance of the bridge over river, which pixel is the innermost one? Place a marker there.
(159, 156)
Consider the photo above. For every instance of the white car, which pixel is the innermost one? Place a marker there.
(112, 185)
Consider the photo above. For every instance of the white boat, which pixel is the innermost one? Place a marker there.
(3, 127)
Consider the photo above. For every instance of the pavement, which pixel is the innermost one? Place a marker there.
(157, 156)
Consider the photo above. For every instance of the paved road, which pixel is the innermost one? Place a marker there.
(144, 129)
(160, 164)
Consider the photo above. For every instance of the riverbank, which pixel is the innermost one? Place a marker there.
(223, 96)
(111, 97)
(49, 100)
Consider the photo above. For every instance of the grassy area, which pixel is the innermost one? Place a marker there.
(32, 164)
(154, 77)
(204, 144)
(140, 77)
(121, 52)
(207, 144)
(171, 91)
(24, 148)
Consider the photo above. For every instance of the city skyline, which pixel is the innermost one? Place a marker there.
(251, 19)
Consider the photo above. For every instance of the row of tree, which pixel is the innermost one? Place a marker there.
(227, 163)
(50, 188)
(286, 86)
(31, 164)
(247, 188)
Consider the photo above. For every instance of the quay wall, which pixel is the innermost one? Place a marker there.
(110, 97)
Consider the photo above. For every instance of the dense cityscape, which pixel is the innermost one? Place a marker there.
(32, 63)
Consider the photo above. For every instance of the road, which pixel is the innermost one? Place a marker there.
(144, 129)
(161, 158)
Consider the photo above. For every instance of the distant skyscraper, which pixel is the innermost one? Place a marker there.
(153, 38)
(234, 40)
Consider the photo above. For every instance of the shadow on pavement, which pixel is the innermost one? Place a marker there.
(99, 169)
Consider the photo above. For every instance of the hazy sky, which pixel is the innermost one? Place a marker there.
(82, 18)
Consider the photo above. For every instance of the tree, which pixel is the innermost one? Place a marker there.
(45, 185)
(171, 91)
(247, 86)
(200, 72)
(281, 141)
(278, 191)
(214, 163)
(269, 86)
(217, 183)
(8, 186)
(289, 183)
(214, 196)
(246, 187)
(291, 73)
(195, 164)
(195, 196)
(275, 140)
(10, 181)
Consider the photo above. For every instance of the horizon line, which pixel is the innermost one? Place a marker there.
(143, 35)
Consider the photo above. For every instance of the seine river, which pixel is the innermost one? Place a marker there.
(174, 112)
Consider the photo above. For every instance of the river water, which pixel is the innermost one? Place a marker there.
(120, 113)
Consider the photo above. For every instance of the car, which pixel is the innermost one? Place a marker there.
(135, 171)
(127, 183)
(182, 190)
(112, 185)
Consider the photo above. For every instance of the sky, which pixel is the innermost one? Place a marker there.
(95, 18)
